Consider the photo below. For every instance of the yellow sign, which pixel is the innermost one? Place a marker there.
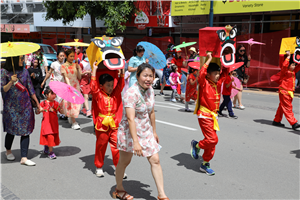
(202, 7)
(288, 44)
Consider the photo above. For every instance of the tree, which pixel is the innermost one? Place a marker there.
(114, 13)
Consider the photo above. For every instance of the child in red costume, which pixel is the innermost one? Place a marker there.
(191, 88)
(106, 122)
(209, 83)
(286, 93)
(49, 131)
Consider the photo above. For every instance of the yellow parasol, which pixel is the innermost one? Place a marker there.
(74, 44)
(11, 49)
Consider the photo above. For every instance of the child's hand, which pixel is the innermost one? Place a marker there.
(95, 65)
(288, 53)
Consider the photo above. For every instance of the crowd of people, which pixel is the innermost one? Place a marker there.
(136, 133)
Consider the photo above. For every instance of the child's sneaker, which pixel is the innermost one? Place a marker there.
(99, 172)
(206, 169)
(52, 155)
(194, 150)
(88, 113)
(83, 111)
(173, 100)
(233, 116)
(46, 150)
(220, 114)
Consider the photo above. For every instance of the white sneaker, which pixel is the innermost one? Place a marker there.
(28, 163)
(75, 126)
(124, 177)
(173, 100)
(241, 107)
(10, 157)
(99, 172)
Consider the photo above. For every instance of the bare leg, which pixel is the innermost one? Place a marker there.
(73, 120)
(124, 161)
(163, 86)
(86, 101)
(157, 174)
(239, 96)
(50, 149)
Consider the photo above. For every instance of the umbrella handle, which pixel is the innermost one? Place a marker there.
(12, 62)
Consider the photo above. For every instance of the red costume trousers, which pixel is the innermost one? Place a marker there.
(285, 107)
(208, 144)
(101, 144)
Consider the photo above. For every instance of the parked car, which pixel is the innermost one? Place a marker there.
(49, 53)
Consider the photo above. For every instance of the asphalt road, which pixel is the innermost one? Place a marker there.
(253, 159)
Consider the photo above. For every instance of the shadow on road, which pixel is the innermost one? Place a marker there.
(269, 122)
(136, 189)
(188, 162)
(88, 129)
(89, 164)
(65, 123)
(296, 152)
(17, 153)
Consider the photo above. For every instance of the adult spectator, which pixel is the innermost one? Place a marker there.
(36, 76)
(241, 56)
(137, 59)
(137, 131)
(166, 70)
(18, 115)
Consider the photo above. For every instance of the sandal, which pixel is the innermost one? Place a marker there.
(125, 196)
(166, 198)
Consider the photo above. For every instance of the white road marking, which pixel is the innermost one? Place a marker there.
(176, 125)
(170, 104)
(176, 108)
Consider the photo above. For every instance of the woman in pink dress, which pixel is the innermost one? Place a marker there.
(137, 132)
(72, 74)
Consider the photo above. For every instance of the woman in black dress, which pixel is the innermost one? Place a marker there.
(241, 56)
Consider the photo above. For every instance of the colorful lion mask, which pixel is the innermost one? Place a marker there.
(227, 37)
(107, 52)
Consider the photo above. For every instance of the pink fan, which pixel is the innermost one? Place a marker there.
(251, 42)
(66, 92)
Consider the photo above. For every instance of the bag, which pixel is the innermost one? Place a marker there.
(246, 78)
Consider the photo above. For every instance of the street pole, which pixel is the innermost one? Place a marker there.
(211, 14)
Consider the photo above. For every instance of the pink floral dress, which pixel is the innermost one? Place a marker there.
(71, 109)
(143, 103)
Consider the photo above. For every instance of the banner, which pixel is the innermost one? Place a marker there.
(202, 7)
(15, 28)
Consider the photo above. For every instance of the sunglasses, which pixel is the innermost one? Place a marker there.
(242, 50)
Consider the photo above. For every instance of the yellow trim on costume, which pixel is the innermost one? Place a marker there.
(93, 78)
(214, 116)
(291, 93)
(108, 121)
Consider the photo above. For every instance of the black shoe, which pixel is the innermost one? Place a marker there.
(161, 94)
(233, 117)
(221, 114)
(278, 124)
(63, 118)
(295, 126)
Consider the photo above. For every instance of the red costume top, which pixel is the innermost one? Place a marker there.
(287, 78)
(107, 105)
(227, 91)
(50, 119)
(178, 62)
(208, 101)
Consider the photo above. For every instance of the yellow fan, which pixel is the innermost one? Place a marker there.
(11, 49)
(74, 44)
